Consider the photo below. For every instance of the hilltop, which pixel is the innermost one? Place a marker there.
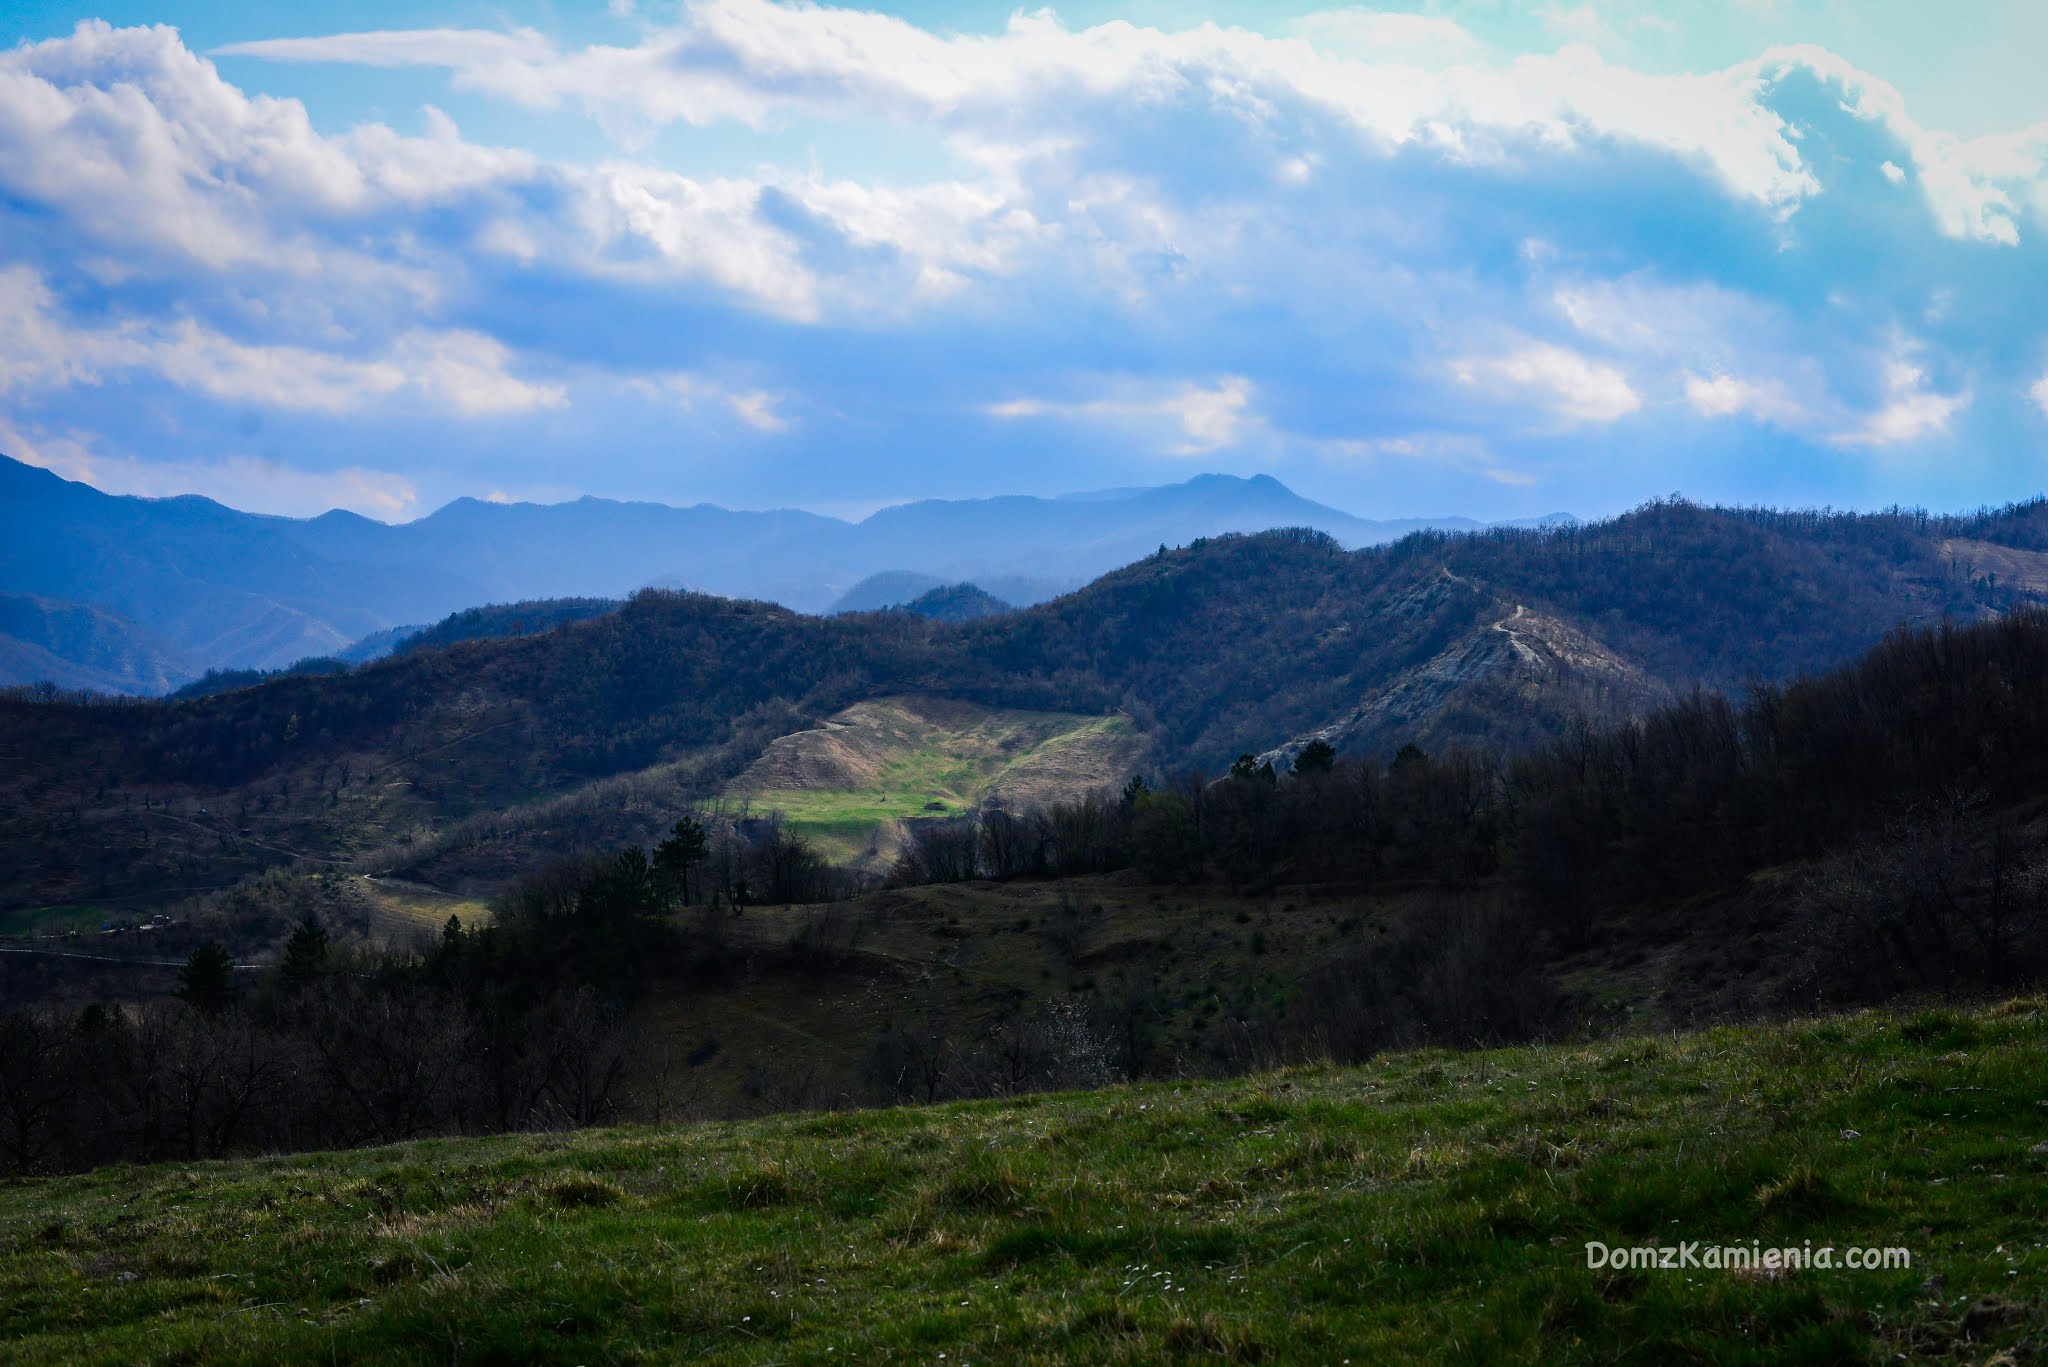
(1425, 1204)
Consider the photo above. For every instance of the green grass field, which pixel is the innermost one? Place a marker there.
(84, 916)
(891, 760)
(1431, 1206)
(401, 904)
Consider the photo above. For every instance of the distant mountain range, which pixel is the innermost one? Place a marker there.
(186, 584)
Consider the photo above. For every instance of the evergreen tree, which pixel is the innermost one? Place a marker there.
(1317, 757)
(305, 956)
(683, 850)
(207, 981)
(1248, 768)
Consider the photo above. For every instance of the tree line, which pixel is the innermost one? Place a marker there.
(1921, 745)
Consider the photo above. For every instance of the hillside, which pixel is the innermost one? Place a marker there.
(1226, 646)
(498, 621)
(78, 647)
(492, 622)
(1316, 1215)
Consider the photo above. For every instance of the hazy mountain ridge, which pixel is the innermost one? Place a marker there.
(493, 621)
(236, 590)
(76, 646)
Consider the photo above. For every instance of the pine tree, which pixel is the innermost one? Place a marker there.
(207, 982)
(305, 956)
(684, 849)
(1317, 757)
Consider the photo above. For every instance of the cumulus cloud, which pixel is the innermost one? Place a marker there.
(745, 60)
(1727, 396)
(1561, 381)
(1384, 74)
(1977, 187)
(463, 372)
(1911, 409)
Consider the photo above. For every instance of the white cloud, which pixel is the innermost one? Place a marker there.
(944, 227)
(1570, 385)
(1974, 186)
(486, 58)
(454, 371)
(1911, 409)
(2039, 394)
(757, 408)
(1703, 323)
(1727, 396)
(1205, 417)
(746, 59)
(470, 373)
(144, 146)
(149, 155)
(708, 229)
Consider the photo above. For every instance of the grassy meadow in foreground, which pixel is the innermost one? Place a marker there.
(1430, 1205)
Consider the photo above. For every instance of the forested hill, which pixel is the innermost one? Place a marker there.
(1227, 645)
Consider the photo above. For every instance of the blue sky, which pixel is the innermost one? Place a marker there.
(1480, 258)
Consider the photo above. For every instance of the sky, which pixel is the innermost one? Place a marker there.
(1478, 258)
